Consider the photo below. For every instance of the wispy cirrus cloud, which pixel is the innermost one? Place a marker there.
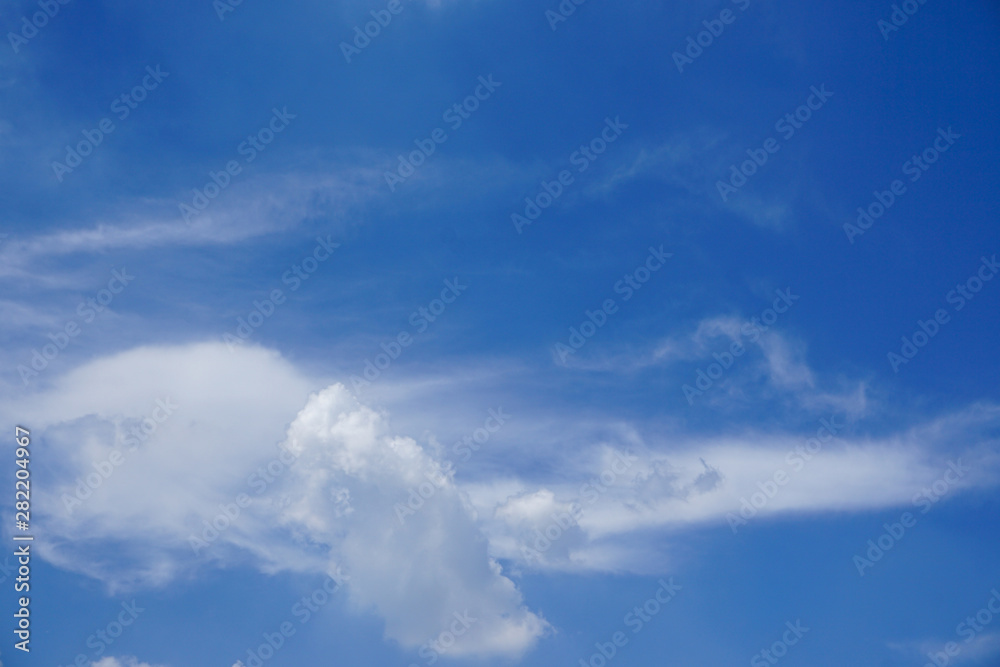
(262, 205)
(774, 364)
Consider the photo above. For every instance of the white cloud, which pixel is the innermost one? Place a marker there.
(694, 161)
(247, 209)
(704, 481)
(773, 366)
(975, 649)
(127, 661)
(417, 568)
(230, 407)
(984, 646)
(335, 506)
(339, 504)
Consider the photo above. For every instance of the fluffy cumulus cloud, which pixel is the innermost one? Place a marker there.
(161, 448)
(187, 456)
(145, 443)
(394, 520)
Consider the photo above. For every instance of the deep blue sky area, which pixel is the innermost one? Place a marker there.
(516, 325)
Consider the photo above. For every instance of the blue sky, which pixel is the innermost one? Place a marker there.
(716, 424)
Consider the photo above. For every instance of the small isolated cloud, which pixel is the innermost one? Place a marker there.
(127, 661)
(974, 650)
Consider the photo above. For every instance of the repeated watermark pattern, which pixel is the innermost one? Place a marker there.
(717, 180)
